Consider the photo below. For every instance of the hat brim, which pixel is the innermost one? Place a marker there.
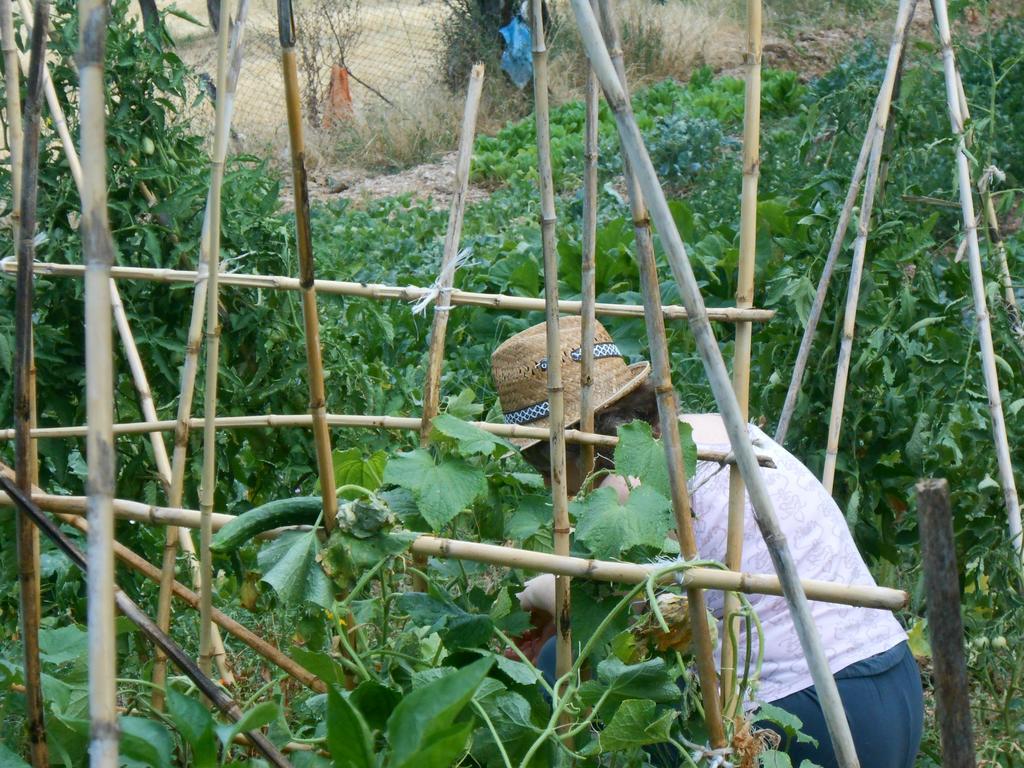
(637, 373)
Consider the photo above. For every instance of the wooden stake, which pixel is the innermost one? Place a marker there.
(559, 496)
(903, 16)
(26, 535)
(744, 333)
(588, 267)
(446, 275)
(98, 252)
(668, 411)
(942, 585)
(149, 628)
(714, 366)
(880, 112)
(207, 489)
(995, 403)
(380, 292)
(304, 244)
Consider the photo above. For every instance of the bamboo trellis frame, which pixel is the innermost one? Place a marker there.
(903, 18)
(559, 496)
(744, 331)
(667, 408)
(98, 274)
(956, 99)
(73, 507)
(381, 292)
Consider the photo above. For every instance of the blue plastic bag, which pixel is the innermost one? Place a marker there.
(517, 59)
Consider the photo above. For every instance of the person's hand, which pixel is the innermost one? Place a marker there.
(621, 485)
(538, 595)
(538, 599)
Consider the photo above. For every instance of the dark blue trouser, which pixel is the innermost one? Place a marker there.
(884, 706)
(883, 701)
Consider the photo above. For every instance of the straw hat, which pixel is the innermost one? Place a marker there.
(519, 367)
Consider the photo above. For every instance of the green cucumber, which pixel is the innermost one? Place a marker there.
(298, 510)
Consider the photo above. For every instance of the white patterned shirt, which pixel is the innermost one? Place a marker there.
(822, 548)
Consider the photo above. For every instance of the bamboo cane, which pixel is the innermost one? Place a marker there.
(27, 537)
(187, 387)
(12, 90)
(559, 496)
(744, 333)
(903, 16)
(978, 283)
(149, 628)
(380, 292)
(304, 244)
(880, 112)
(996, 239)
(98, 252)
(207, 488)
(668, 411)
(71, 508)
(346, 421)
(439, 325)
(719, 378)
(588, 267)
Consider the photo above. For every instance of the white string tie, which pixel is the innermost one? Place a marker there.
(992, 172)
(443, 283)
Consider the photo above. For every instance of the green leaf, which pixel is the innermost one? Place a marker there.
(145, 741)
(917, 639)
(320, 664)
(290, 566)
(252, 720)
(634, 725)
(352, 468)
(64, 644)
(469, 437)
(647, 680)
(348, 737)
(774, 759)
(639, 455)
(425, 716)
(441, 490)
(510, 715)
(442, 749)
(376, 702)
(196, 725)
(787, 721)
(9, 759)
(458, 628)
(609, 529)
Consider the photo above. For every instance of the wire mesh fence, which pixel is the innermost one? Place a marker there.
(390, 50)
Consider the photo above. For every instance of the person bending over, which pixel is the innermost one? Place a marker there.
(878, 679)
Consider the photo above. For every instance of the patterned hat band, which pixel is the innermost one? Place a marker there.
(530, 413)
(604, 349)
(542, 410)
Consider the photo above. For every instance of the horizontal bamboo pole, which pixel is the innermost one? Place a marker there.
(633, 573)
(380, 292)
(337, 420)
(511, 557)
(129, 608)
(70, 510)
